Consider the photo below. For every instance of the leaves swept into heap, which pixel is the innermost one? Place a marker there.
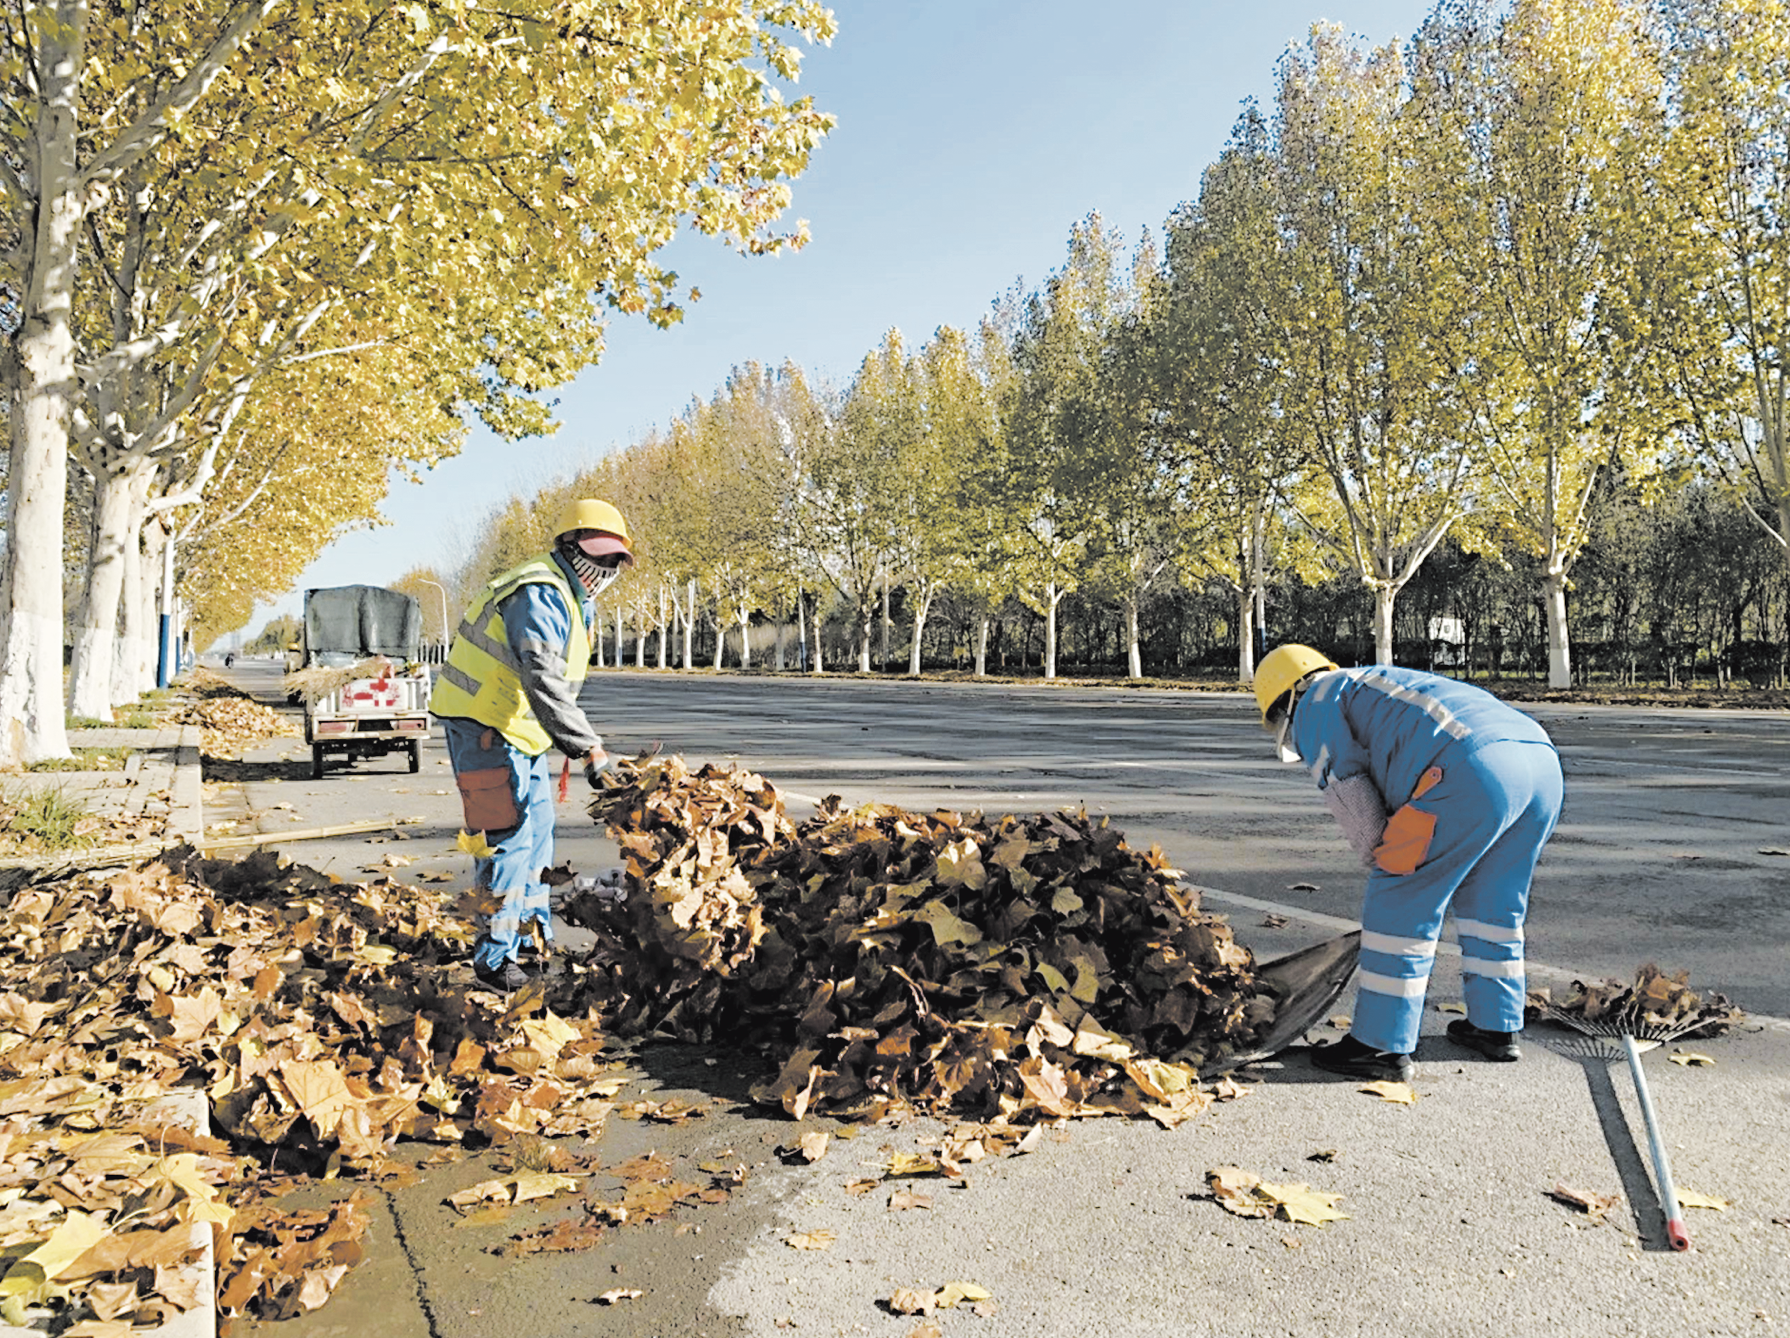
(311, 1012)
(229, 720)
(1655, 1006)
(1026, 966)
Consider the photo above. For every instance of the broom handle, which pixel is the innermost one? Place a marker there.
(1668, 1195)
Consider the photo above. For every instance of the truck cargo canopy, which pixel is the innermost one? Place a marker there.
(345, 623)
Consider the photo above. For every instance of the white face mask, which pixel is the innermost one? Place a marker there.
(1283, 740)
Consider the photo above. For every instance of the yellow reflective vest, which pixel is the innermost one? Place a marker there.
(479, 681)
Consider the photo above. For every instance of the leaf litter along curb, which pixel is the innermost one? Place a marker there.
(313, 1014)
(1014, 972)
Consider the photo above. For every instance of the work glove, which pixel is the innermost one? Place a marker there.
(596, 762)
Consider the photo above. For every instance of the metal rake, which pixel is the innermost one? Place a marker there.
(1631, 1027)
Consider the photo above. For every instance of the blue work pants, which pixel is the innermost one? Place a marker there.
(1495, 809)
(512, 872)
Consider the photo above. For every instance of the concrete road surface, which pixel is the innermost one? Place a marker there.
(1662, 854)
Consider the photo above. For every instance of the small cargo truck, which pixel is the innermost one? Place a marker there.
(365, 690)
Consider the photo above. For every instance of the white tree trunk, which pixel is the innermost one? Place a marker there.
(690, 629)
(884, 666)
(620, 636)
(640, 638)
(819, 663)
(802, 622)
(720, 638)
(1245, 634)
(1385, 597)
(115, 525)
(982, 646)
(40, 376)
(134, 673)
(745, 637)
(664, 626)
(1134, 655)
(866, 621)
(1553, 595)
(1051, 599)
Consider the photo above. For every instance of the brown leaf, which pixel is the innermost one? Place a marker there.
(811, 1240)
(1592, 1205)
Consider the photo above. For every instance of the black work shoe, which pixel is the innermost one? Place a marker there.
(1353, 1059)
(1498, 1046)
(509, 976)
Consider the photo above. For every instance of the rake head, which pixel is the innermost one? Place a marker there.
(1655, 1009)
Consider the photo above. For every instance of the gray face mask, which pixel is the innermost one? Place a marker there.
(594, 576)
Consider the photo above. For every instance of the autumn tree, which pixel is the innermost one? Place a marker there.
(530, 213)
(1729, 170)
(1544, 128)
(1366, 394)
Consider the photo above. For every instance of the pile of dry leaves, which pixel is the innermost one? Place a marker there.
(1655, 1006)
(1024, 967)
(313, 1015)
(229, 720)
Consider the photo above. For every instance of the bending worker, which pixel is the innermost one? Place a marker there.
(1448, 795)
(508, 697)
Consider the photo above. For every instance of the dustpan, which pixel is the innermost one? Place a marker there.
(1305, 984)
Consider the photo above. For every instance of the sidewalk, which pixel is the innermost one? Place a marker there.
(160, 783)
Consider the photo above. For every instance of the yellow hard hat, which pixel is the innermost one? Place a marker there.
(1281, 669)
(590, 513)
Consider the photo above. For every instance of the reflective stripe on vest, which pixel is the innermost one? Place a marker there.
(480, 680)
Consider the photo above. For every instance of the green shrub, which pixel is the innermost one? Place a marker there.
(87, 722)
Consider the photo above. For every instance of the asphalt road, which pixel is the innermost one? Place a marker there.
(1658, 857)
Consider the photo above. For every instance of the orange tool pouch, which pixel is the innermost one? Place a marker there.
(1405, 844)
(487, 800)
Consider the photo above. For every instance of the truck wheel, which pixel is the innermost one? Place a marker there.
(316, 761)
(416, 756)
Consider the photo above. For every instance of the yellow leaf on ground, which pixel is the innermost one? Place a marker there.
(474, 844)
(67, 1243)
(811, 1240)
(542, 1185)
(615, 1294)
(1690, 1059)
(953, 1293)
(913, 1163)
(910, 1301)
(1301, 1203)
(814, 1145)
(1689, 1198)
(1399, 1093)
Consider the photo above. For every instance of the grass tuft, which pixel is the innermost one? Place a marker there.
(88, 759)
(48, 818)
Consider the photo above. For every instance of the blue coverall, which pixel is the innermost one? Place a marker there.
(534, 616)
(1468, 792)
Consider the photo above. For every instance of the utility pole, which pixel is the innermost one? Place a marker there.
(445, 633)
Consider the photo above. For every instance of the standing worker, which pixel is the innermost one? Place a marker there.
(507, 695)
(1448, 795)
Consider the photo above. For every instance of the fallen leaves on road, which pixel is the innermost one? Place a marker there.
(914, 1301)
(1248, 1195)
(1399, 1093)
(1689, 1198)
(811, 1240)
(615, 1294)
(1591, 1204)
(1690, 1059)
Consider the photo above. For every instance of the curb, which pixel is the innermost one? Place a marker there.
(186, 804)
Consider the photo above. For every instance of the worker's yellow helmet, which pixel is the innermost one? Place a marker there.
(609, 532)
(1281, 669)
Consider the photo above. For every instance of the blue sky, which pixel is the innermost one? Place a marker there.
(971, 135)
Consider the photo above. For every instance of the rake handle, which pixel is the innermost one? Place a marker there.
(1662, 1170)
